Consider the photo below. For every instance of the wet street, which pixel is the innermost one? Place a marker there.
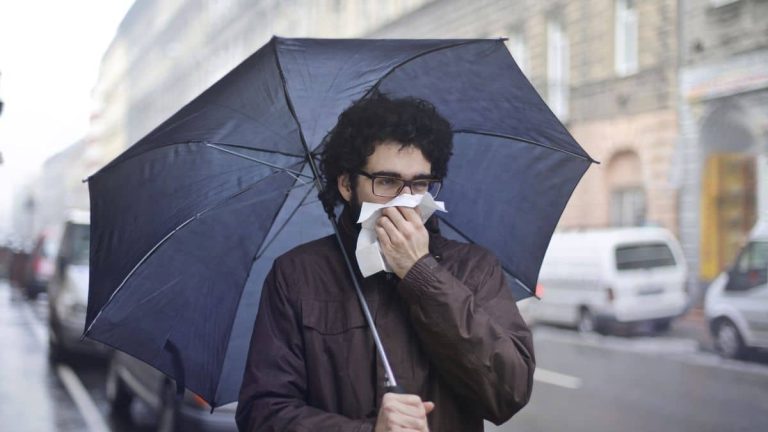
(669, 382)
(37, 395)
(603, 383)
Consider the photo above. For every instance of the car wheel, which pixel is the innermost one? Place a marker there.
(118, 394)
(168, 417)
(728, 340)
(662, 325)
(30, 293)
(586, 323)
(56, 352)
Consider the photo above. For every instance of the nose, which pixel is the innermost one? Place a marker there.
(410, 190)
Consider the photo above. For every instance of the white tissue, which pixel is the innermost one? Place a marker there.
(368, 253)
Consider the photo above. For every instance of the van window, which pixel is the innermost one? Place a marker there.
(77, 243)
(644, 256)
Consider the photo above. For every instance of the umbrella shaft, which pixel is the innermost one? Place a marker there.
(391, 382)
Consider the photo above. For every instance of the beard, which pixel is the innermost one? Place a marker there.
(355, 206)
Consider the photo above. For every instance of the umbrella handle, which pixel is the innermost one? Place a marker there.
(397, 389)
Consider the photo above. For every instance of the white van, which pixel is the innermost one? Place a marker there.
(736, 303)
(620, 275)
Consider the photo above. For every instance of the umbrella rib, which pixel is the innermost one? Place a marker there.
(280, 230)
(468, 239)
(375, 87)
(263, 150)
(164, 239)
(111, 164)
(527, 141)
(292, 173)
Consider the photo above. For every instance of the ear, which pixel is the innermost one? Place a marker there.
(345, 187)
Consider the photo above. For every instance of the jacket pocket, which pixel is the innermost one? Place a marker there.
(338, 357)
(332, 317)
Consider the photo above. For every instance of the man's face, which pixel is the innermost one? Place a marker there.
(390, 159)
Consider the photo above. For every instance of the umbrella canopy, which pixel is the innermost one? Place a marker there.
(185, 223)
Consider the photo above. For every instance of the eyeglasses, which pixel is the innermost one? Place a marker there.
(386, 186)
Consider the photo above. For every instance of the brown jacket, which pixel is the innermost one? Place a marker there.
(451, 329)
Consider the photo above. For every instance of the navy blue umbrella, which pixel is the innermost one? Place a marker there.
(186, 222)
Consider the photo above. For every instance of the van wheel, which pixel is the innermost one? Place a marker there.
(57, 354)
(586, 322)
(728, 340)
(168, 418)
(118, 394)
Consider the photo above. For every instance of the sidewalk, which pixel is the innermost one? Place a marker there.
(693, 325)
(31, 397)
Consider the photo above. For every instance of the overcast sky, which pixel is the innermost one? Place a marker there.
(50, 52)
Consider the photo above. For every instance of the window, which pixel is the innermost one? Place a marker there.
(628, 207)
(518, 49)
(625, 43)
(644, 256)
(557, 69)
(751, 269)
(754, 258)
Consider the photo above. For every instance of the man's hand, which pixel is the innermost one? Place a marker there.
(402, 237)
(403, 412)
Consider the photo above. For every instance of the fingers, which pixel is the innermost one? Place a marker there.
(393, 213)
(403, 216)
(405, 412)
(393, 235)
(383, 236)
(429, 407)
(412, 215)
(401, 228)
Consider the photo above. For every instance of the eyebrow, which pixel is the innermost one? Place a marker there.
(398, 175)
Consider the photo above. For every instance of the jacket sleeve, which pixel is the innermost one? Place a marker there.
(272, 395)
(473, 333)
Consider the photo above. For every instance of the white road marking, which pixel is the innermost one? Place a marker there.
(555, 378)
(85, 404)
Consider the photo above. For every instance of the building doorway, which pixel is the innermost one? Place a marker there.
(728, 209)
(728, 192)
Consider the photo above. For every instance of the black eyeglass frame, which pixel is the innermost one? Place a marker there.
(408, 183)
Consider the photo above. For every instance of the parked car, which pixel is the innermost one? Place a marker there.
(68, 293)
(597, 279)
(130, 380)
(736, 303)
(41, 264)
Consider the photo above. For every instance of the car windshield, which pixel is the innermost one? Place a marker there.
(644, 256)
(80, 243)
(755, 257)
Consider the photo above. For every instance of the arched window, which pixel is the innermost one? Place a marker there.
(625, 183)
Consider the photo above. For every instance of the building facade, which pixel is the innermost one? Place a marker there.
(607, 68)
(724, 128)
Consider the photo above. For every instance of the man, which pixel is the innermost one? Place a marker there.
(454, 337)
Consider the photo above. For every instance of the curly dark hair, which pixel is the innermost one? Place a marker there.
(375, 119)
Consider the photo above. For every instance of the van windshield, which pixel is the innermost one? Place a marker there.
(80, 239)
(644, 256)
